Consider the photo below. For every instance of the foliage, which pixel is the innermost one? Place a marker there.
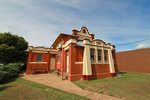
(10, 71)
(12, 48)
(4, 76)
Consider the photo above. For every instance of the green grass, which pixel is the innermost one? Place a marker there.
(131, 86)
(20, 89)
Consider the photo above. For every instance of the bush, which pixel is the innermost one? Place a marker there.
(10, 71)
(4, 76)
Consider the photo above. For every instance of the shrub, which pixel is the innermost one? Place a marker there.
(10, 71)
(4, 76)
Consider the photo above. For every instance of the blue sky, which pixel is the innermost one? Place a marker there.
(113, 21)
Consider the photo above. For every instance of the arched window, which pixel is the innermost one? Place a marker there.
(84, 31)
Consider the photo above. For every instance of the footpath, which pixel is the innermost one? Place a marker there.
(54, 81)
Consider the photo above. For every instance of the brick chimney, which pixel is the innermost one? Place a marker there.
(74, 31)
(92, 36)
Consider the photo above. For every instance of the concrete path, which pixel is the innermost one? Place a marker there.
(54, 81)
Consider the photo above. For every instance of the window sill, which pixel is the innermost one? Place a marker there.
(38, 62)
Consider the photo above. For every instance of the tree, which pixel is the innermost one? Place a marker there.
(12, 48)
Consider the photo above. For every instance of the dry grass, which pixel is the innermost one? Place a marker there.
(21, 89)
(131, 86)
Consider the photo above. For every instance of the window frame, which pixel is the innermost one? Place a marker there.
(99, 55)
(39, 57)
(106, 55)
(92, 54)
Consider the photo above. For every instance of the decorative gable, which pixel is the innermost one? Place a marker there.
(84, 34)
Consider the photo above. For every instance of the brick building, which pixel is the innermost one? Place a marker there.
(134, 60)
(78, 55)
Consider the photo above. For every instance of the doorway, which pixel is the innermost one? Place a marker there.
(52, 63)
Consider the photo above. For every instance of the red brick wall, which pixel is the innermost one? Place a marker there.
(100, 71)
(76, 72)
(134, 61)
(72, 59)
(115, 61)
(79, 54)
(32, 58)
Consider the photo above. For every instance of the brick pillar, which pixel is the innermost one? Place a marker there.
(115, 62)
(92, 36)
(62, 60)
(49, 61)
(56, 63)
(28, 70)
(72, 58)
(63, 66)
(74, 31)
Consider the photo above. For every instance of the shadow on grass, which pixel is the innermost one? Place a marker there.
(4, 87)
(122, 72)
(8, 81)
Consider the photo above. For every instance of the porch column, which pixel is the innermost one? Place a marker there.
(111, 63)
(87, 72)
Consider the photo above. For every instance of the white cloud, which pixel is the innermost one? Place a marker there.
(142, 46)
(41, 21)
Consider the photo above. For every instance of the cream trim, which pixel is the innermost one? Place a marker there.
(76, 75)
(53, 52)
(38, 62)
(99, 63)
(78, 62)
(40, 51)
(66, 48)
(100, 73)
(68, 42)
(111, 62)
(87, 70)
(96, 55)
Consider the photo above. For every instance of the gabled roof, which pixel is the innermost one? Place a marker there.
(61, 35)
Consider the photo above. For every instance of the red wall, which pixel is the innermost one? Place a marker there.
(32, 58)
(79, 54)
(134, 60)
(100, 71)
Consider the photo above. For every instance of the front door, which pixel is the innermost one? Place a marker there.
(67, 62)
(52, 62)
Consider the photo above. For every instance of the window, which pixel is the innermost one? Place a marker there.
(92, 54)
(106, 55)
(84, 31)
(39, 57)
(58, 56)
(99, 53)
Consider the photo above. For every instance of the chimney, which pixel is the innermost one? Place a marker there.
(92, 36)
(74, 31)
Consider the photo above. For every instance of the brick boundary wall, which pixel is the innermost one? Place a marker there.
(134, 60)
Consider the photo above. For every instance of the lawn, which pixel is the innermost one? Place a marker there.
(131, 86)
(20, 89)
